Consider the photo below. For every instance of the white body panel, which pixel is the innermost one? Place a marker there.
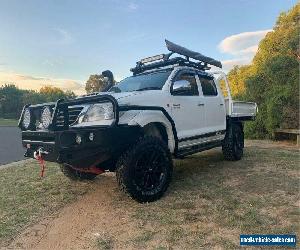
(144, 117)
(240, 109)
(187, 109)
(235, 108)
(197, 119)
(215, 112)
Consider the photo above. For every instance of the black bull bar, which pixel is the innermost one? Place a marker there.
(62, 106)
(59, 141)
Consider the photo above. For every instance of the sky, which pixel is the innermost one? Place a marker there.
(62, 42)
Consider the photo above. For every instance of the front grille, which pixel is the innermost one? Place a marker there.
(73, 114)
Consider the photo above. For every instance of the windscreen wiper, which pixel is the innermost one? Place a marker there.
(114, 89)
(149, 88)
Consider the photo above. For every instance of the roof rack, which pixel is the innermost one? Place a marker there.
(163, 60)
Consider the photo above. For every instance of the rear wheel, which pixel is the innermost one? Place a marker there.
(75, 174)
(233, 145)
(144, 171)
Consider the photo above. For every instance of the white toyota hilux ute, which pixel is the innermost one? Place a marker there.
(169, 108)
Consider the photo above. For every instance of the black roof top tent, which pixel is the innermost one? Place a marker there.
(158, 61)
(192, 54)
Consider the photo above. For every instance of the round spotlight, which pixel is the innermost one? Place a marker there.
(46, 117)
(26, 118)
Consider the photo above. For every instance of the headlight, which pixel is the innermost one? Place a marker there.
(98, 112)
(26, 118)
(46, 117)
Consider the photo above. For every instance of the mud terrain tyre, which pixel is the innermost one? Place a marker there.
(74, 174)
(145, 170)
(233, 144)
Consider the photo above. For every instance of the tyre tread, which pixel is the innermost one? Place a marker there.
(123, 167)
(229, 152)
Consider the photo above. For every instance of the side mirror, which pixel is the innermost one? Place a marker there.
(181, 87)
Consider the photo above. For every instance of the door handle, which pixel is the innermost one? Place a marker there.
(200, 104)
(221, 104)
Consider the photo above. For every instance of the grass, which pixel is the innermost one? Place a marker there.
(25, 197)
(141, 240)
(8, 122)
(211, 201)
(104, 242)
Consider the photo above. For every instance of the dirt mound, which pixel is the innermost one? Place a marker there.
(79, 224)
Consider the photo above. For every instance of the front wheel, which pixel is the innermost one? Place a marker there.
(144, 171)
(233, 145)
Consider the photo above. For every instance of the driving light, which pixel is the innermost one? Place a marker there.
(152, 58)
(46, 117)
(26, 118)
(98, 112)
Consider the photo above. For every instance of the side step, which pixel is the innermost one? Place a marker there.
(198, 148)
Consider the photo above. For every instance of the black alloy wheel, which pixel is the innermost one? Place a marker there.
(144, 171)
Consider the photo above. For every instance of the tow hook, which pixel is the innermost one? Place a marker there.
(39, 155)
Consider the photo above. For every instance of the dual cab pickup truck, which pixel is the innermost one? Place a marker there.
(169, 108)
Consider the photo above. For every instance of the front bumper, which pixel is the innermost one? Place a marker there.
(107, 143)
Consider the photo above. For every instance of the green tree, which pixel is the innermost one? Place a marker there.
(95, 83)
(51, 94)
(284, 40)
(31, 97)
(69, 94)
(237, 77)
(272, 80)
(10, 101)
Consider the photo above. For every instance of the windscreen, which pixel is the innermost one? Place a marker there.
(149, 81)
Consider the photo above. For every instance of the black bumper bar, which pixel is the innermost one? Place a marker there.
(60, 141)
(96, 144)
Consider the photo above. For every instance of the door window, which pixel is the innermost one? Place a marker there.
(208, 86)
(191, 89)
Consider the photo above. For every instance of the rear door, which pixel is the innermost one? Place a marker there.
(187, 108)
(215, 112)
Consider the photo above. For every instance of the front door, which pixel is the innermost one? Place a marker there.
(187, 107)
